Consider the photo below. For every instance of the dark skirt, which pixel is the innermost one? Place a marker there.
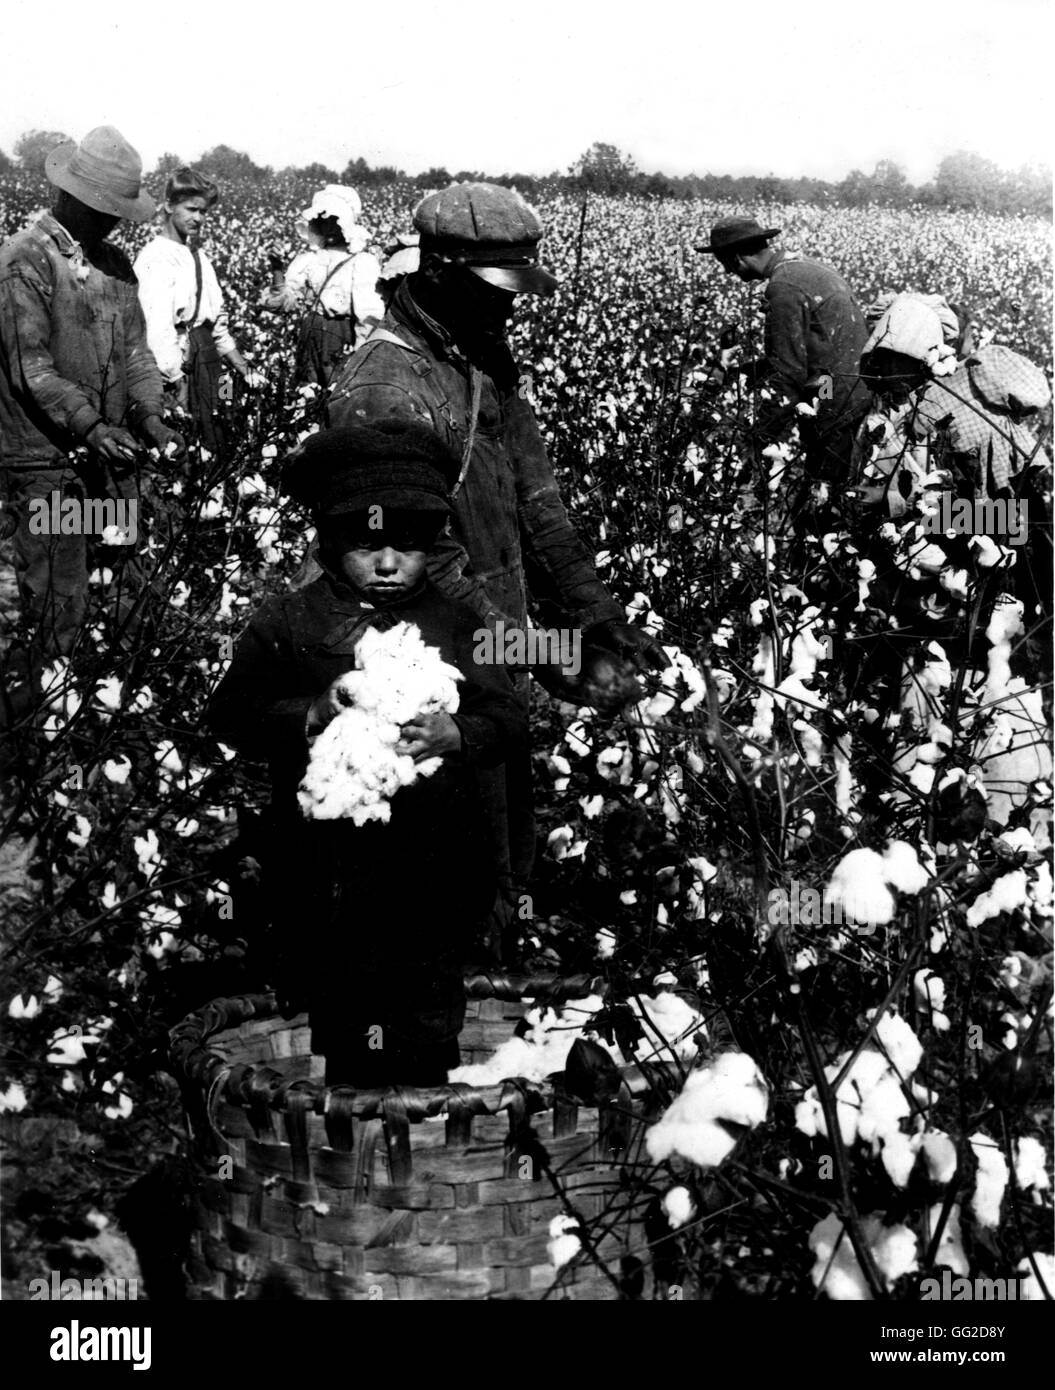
(322, 346)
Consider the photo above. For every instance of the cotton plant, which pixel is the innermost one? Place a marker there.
(354, 769)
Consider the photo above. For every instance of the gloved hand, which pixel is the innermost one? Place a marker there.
(633, 643)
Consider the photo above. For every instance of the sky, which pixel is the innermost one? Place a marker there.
(527, 87)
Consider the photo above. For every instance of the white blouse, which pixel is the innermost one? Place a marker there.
(353, 283)
(167, 291)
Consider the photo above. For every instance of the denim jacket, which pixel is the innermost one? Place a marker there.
(73, 346)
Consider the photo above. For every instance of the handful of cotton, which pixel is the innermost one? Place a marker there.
(354, 768)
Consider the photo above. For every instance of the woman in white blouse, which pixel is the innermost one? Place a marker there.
(183, 306)
(333, 284)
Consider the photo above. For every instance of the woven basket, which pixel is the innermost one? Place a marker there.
(447, 1192)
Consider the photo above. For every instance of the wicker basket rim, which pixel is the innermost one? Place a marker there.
(194, 1063)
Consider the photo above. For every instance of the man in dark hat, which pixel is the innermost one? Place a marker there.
(441, 355)
(375, 921)
(814, 333)
(80, 392)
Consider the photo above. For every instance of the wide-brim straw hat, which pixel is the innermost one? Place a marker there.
(103, 172)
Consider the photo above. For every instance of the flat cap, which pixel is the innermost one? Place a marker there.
(394, 463)
(488, 229)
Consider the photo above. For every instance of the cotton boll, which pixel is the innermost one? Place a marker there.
(900, 1044)
(670, 1024)
(950, 1248)
(895, 1251)
(990, 1182)
(564, 1241)
(858, 886)
(730, 1088)
(939, 1154)
(117, 769)
(13, 1099)
(21, 1007)
(1008, 893)
(1030, 1287)
(835, 1270)
(1031, 1165)
(903, 869)
(899, 1156)
(605, 944)
(678, 1206)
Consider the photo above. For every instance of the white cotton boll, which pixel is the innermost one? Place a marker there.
(950, 1250)
(805, 960)
(757, 611)
(1009, 892)
(922, 778)
(929, 989)
(67, 1049)
(108, 693)
(13, 1099)
(811, 742)
(955, 582)
(678, 1206)
(939, 1154)
(592, 806)
(670, 1024)
(730, 1088)
(1031, 1166)
(792, 689)
(858, 886)
(899, 1156)
(881, 1108)
(990, 1182)
(927, 559)
(1019, 839)
(23, 1007)
(564, 1242)
(559, 840)
(835, 1270)
(1006, 621)
(605, 944)
(1030, 1289)
(903, 869)
(761, 730)
(576, 736)
(894, 1249)
(117, 770)
(899, 1043)
(81, 832)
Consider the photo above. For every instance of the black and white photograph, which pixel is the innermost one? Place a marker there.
(526, 672)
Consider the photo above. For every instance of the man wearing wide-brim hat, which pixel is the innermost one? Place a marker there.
(80, 392)
(441, 355)
(814, 333)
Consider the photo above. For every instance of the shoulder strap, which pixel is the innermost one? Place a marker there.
(332, 272)
(197, 284)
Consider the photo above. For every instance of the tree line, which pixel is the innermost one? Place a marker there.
(962, 181)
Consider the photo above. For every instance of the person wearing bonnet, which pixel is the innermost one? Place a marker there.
(373, 924)
(332, 284)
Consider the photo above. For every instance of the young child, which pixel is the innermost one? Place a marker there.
(376, 921)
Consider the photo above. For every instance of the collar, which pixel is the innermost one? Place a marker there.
(409, 313)
(51, 225)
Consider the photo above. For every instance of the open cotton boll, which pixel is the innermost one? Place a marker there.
(990, 1183)
(731, 1088)
(354, 770)
(1029, 1285)
(678, 1206)
(939, 1154)
(836, 1271)
(670, 1023)
(899, 1156)
(858, 886)
(903, 869)
(541, 1052)
(1010, 891)
(899, 1043)
(1031, 1166)
(564, 1241)
(950, 1248)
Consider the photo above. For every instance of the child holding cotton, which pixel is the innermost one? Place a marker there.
(376, 920)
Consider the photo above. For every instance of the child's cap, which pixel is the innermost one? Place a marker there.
(394, 463)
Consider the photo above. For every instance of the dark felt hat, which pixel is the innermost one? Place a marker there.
(400, 464)
(730, 232)
(488, 229)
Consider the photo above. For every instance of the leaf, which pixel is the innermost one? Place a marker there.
(590, 1075)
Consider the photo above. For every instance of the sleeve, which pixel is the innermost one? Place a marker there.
(287, 297)
(261, 705)
(559, 566)
(25, 342)
(157, 297)
(143, 380)
(366, 271)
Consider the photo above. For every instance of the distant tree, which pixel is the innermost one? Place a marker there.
(966, 180)
(890, 186)
(226, 164)
(166, 163)
(469, 176)
(434, 178)
(855, 189)
(317, 173)
(7, 164)
(32, 148)
(603, 169)
(357, 171)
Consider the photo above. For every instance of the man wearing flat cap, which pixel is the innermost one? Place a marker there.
(441, 356)
(80, 391)
(814, 333)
